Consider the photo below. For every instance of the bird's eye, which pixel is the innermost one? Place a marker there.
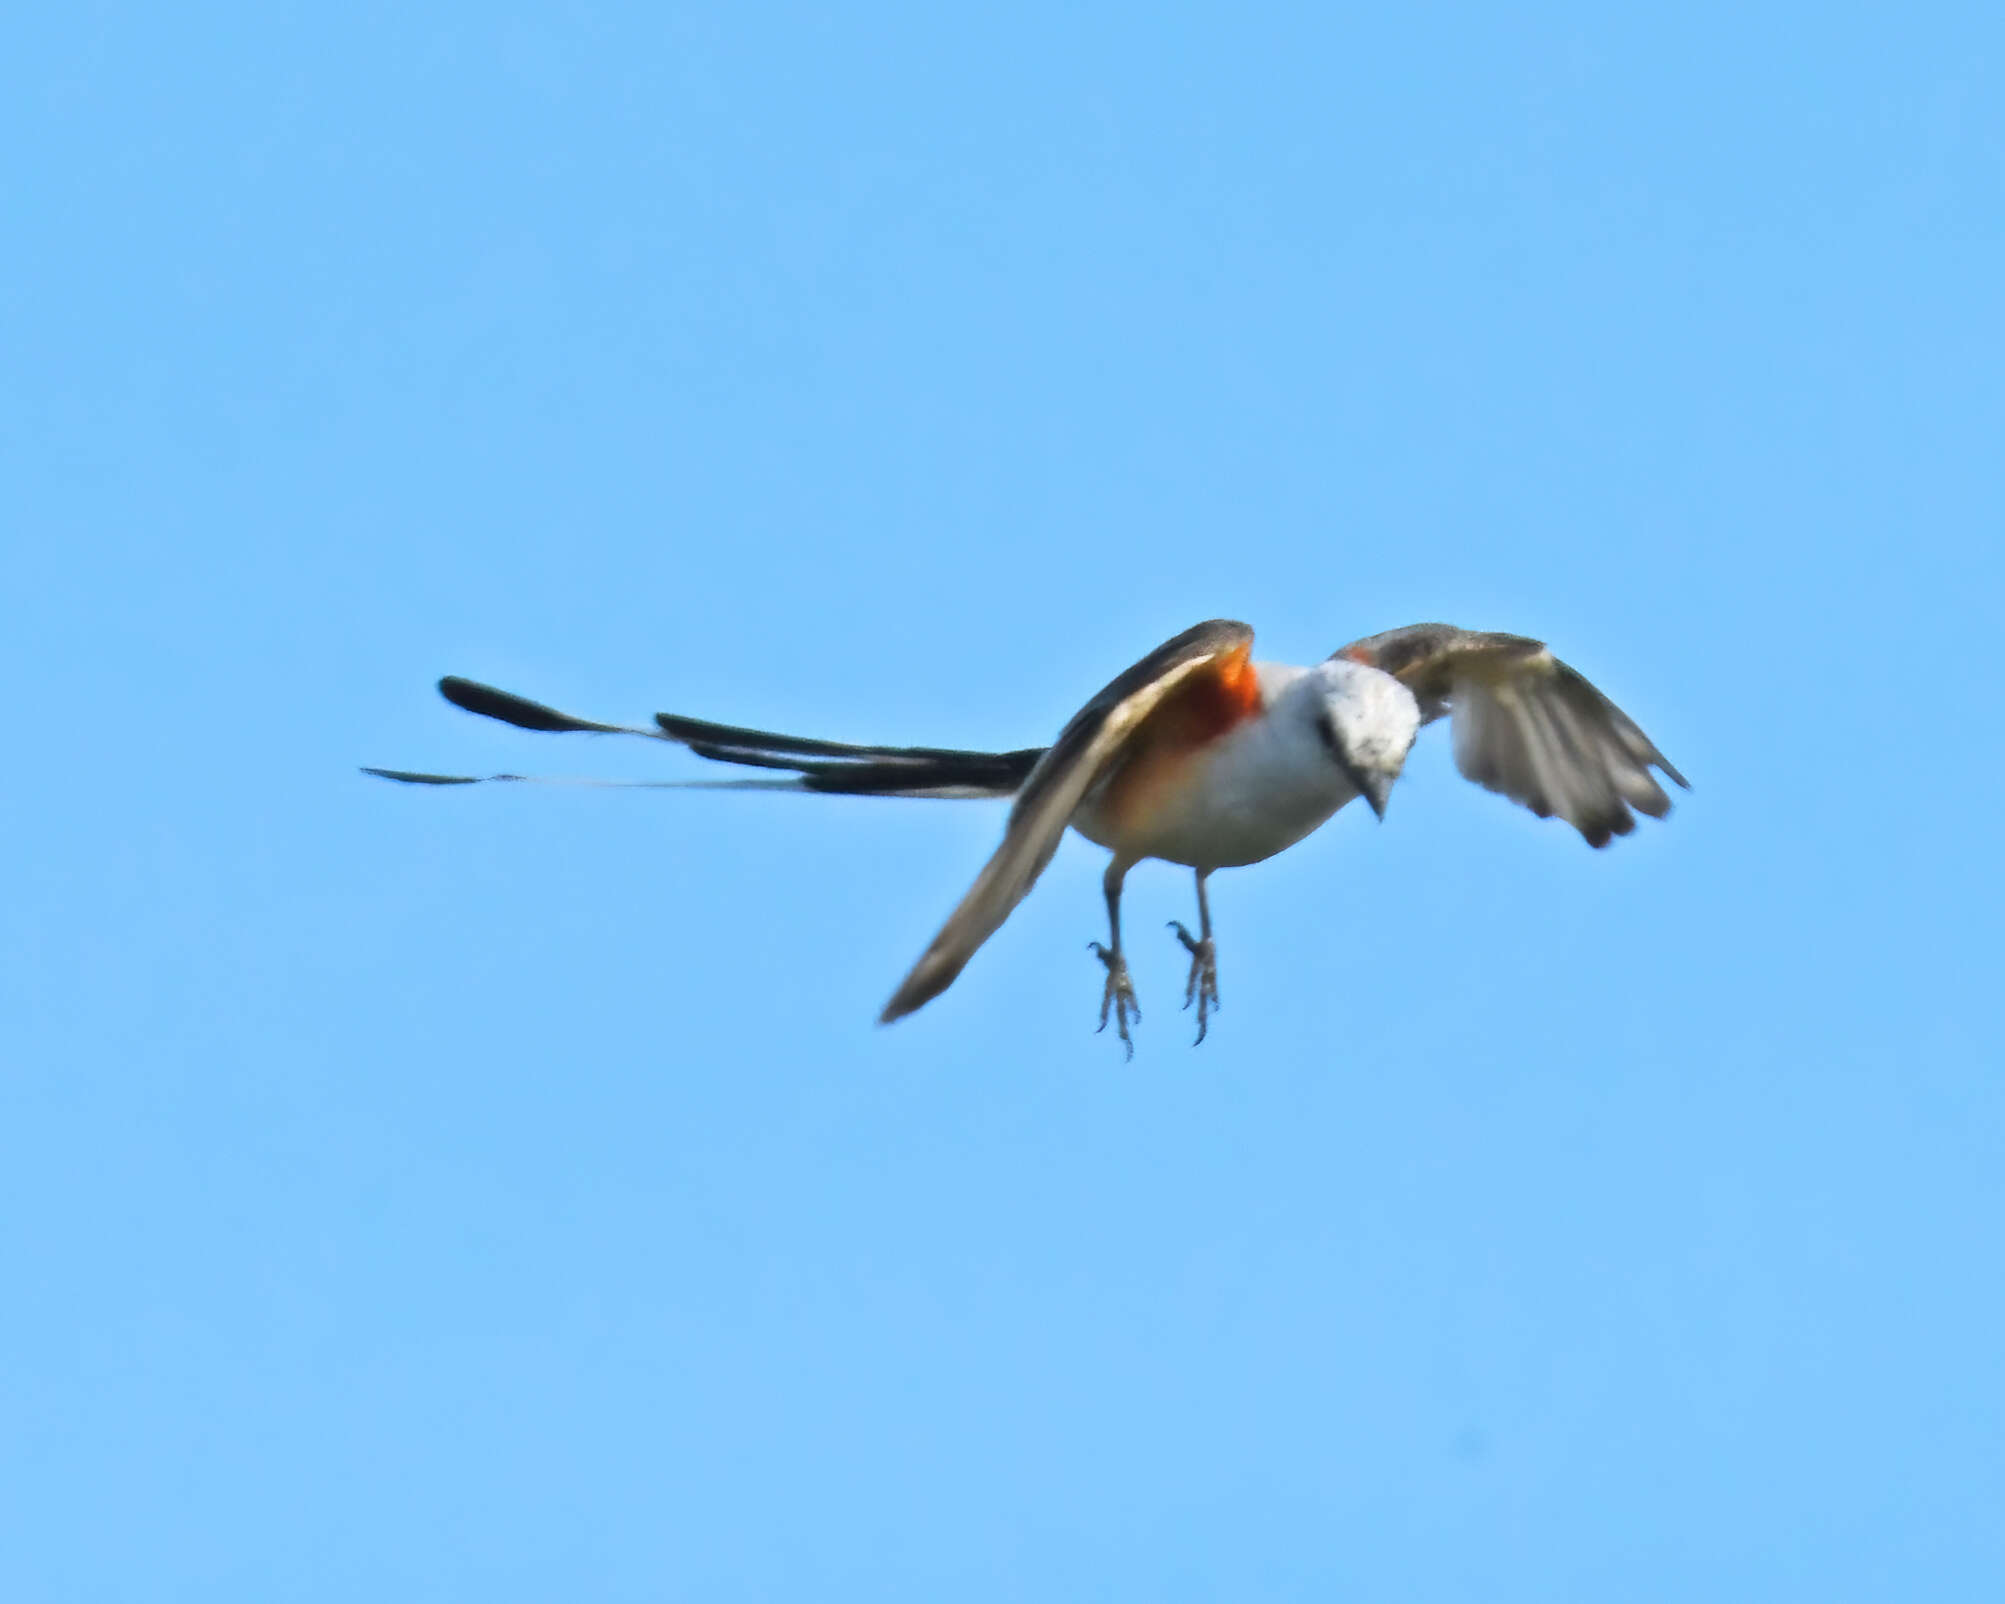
(1333, 743)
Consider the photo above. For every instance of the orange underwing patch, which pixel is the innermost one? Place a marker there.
(1209, 703)
(1231, 692)
(1197, 713)
(1357, 654)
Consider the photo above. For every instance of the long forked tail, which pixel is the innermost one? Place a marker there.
(810, 765)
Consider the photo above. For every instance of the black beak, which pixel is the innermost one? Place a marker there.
(1374, 786)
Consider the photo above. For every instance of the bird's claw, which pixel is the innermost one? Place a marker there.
(1202, 986)
(1119, 997)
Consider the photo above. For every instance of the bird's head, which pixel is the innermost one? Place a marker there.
(1368, 721)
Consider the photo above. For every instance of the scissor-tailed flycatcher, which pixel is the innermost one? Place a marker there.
(1200, 756)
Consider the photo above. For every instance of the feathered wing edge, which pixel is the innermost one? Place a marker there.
(1528, 726)
(1083, 753)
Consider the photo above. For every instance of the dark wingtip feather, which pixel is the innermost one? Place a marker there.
(926, 982)
(509, 708)
(1598, 831)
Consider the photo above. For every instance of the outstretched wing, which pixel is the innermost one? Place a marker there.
(1085, 751)
(1528, 726)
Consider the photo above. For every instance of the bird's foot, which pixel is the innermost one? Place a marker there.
(1119, 997)
(1202, 987)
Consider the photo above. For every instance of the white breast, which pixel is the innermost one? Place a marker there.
(1256, 790)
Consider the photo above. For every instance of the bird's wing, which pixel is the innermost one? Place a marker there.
(1528, 726)
(1085, 752)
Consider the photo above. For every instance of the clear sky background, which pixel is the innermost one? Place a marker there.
(506, 1194)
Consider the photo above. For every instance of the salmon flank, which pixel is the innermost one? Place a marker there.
(1201, 710)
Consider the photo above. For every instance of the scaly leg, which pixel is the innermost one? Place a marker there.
(1119, 997)
(1202, 987)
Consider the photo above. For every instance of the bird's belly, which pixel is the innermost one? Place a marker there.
(1237, 803)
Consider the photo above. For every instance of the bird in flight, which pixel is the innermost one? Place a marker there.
(1202, 757)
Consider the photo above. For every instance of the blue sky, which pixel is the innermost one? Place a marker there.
(506, 1193)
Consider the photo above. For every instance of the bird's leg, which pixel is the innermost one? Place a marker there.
(1202, 987)
(1119, 997)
